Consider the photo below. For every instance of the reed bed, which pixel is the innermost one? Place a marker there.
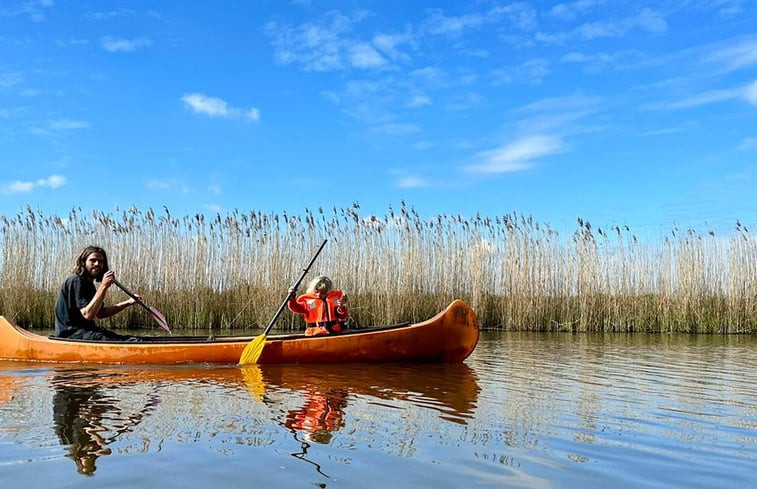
(232, 271)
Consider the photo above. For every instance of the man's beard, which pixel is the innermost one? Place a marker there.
(96, 276)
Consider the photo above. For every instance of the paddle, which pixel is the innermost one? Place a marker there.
(254, 348)
(161, 320)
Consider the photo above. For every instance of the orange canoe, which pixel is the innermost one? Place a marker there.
(450, 336)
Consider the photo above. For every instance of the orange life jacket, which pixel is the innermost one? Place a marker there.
(322, 316)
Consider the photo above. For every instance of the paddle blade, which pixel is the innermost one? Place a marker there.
(159, 318)
(253, 378)
(252, 351)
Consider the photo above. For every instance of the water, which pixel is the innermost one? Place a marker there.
(524, 411)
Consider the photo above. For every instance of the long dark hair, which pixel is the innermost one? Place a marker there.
(79, 266)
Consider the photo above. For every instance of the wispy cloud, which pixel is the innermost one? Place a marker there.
(168, 184)
(647, 20)
(439, 24)
(748, 144)
(8, 80)
(746, 93)
(419, 100)
(742, 54)
(68, 124)
(108, 15)
(72, 41)
(750, 93)
(328, 44)
(54, 128)
(517, 15)
(21, 186)
(532, 72)
(516, 156)
(393, 129)
(411, 181)
(35, 10)
(571, 11)
(216, 107)
(116, 45)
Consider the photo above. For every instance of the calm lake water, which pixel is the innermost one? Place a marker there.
(524, 411)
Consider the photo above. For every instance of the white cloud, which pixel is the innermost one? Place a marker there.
(19, 186)
(411, 181)
(252, 114)
(532, 71)
(328, 44)
(115, 45)
(748, 144)
(8, 80)
(419, 101)
(109, 15)
(516, 156)
(53, 181)
(439, 24)
(394, 129)
(747, 93)
(64, 43)
(750, 93)
(735, 57)
(68, 124)
(216, 107)
(423, 145)
(34, 9)
(363, 55)
(168, 184)
(571, 11)
(647, 20)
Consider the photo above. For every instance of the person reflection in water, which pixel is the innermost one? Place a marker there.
(320, 416)
(77, 414)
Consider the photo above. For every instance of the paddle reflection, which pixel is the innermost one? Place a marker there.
(87, 418)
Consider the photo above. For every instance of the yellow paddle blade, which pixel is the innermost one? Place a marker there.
(253, 379)
(252, 351)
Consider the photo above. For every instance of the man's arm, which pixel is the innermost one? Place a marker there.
(94, 308)
(108, 311)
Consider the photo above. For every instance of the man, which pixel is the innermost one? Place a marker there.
(80, 301)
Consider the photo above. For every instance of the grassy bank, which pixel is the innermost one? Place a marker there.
(233, 270)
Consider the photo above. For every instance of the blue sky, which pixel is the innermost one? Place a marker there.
(624, 113)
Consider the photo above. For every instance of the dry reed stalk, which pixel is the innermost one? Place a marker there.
(233, 270)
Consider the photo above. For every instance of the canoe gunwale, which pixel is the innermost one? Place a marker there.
(167, 340)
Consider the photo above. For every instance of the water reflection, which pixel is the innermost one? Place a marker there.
(326, 391)
(321, 414)
(87, 419)
(558, 410)
(94, 407)
(450, 389)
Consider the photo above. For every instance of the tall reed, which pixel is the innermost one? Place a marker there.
(232, 270)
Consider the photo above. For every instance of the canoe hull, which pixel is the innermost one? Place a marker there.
(450, 336)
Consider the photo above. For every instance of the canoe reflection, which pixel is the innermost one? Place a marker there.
(450, 389)
(81, 409)
(92, 407)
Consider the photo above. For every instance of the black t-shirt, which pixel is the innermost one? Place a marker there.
(75, 293)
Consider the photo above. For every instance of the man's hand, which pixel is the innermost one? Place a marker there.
(109, 278)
